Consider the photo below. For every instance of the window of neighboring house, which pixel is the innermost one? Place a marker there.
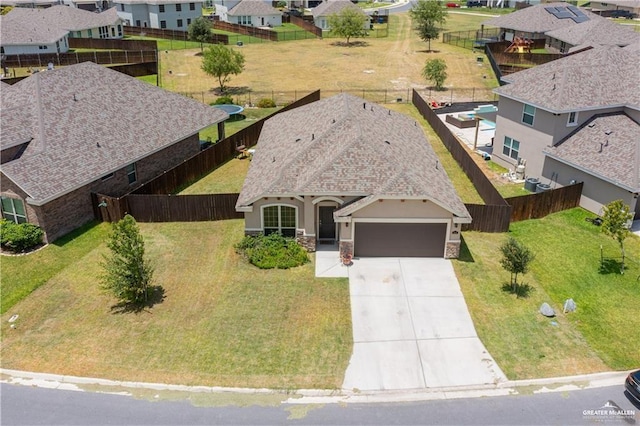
(192, 6)
(245, 20)
(511, 147)
(178, 7)
(79, 34)
(163, 24)
(90, 33)
(42, 47)
(137, 22)
(113, 32)
(179, 23)
(528, 114)
(121, 7)
(188, 21)
(573, 119)
(119, 30)
(161, 8)
(13, 210)
(280, 219)
(131, 173)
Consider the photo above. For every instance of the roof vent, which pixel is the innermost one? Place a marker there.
(333, 121)
(389, 112)
(364, 105)
(608, 132)
(601, 145)
(436, 164)
(313, 136)
(74, 97)
(387, 142)
(298, 140)
(591, 125)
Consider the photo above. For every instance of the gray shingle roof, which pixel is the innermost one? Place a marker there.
(601, 77)
(253, 8)
(535, 19)
(596, 32)
(345, 145)
(157, 1)
(29, 26)
(68, 111)
(329, 7)
(613, 156)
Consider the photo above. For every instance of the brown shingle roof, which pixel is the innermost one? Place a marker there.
(252, 8)
(345, 145)
(536, 19)
(607, 146)
(69, 111)
(601, 77)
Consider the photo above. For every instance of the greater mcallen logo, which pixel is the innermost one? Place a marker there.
(610, 412)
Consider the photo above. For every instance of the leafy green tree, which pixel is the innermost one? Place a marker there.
(348, 23)
(436, 71)
(515, 259)
(221, 62)
(127, 274)
(428, 17)
(615, 219)
(200, 30)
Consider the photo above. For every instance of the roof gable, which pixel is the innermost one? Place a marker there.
(349, 147)
(253, 8)
(329, 7)
(596, 32)
(86, 121)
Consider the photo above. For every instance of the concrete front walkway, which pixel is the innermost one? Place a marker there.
(411, 328)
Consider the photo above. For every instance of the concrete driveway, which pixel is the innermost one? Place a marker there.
(412, 329)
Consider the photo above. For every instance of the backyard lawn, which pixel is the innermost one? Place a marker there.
(223, 322)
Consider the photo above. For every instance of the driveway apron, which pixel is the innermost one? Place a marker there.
(412, 329)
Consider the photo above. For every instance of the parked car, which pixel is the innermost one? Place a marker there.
(474, 4)
(451, 4)
(632, 385)
(623, 14)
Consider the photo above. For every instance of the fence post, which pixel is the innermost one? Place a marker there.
(126, 56)
(110, 58)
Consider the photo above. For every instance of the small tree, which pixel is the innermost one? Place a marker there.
(221, 62)
(348, 23)
(515, 259)
(200, 30)
(127, 274)
(436, 71)
(428, 17)
(615, 218)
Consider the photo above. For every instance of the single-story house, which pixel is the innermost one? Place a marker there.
(89, 5)
(576, 119)
(535, 21)
(27, 30)
(164, 14)
(357, 174)
(594, 32)
(327, 8)
(84, 128)
(254, 13)
(632, 6)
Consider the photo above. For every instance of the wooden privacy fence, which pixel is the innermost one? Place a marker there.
(535, 206)
(305, 25)
(153, 201)
(70, 58)
(245, 30)
(169, 34)
(108, 43)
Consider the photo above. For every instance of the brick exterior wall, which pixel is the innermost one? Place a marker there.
(452, 250)
(67, 212)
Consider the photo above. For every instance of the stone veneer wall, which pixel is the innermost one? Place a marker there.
(346, 249)
(308, 242)
(452, 250)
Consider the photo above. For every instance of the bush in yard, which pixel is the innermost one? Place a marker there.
(223, 100)
(266, 103)
(272, 251)
(20, 237)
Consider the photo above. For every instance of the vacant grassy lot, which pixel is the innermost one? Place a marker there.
(222, 322)
(598, 336)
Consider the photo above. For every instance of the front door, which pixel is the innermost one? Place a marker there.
(327, 226)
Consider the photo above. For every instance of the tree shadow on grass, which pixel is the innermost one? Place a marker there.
(428, 51)
(611, 266)
(231, 90)
(156, 295)
(356, 43)
(522, 291)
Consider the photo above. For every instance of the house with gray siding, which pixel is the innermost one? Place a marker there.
(359, 175)
(165, 14)
(576, 119)
(85, 128)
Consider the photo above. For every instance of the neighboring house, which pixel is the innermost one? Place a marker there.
(357, 174)
(327, 8)
(576, 119)
(165, 14)
(594, 32)
(26, 30)
(254, 13)
(632, 6)
(535, 21)
(89, 5)
(85, 128)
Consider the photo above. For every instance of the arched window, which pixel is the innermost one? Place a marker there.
(279, 218)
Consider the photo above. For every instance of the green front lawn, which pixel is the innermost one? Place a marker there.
(597, 337)
(223, 322)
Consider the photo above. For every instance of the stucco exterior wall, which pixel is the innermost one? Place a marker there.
(253, 220)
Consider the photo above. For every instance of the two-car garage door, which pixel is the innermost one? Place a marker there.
(399, 239)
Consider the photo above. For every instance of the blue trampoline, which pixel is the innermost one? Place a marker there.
(234, 111)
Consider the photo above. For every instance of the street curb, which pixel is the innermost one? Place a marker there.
(321, 396)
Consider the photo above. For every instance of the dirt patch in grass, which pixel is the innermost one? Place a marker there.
(223, 322)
